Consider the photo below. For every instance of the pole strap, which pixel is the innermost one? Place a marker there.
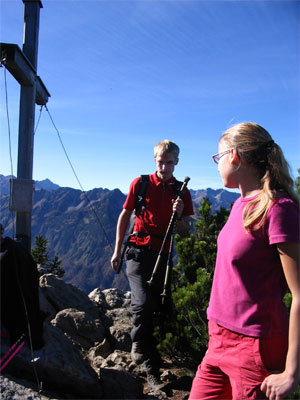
(14, 349)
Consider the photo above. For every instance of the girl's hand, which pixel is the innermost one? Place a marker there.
(278, 386)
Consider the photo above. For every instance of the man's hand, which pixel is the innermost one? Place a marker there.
(178, 206)
(115, 261)
(123, 221)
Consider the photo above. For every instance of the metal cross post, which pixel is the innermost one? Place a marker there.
(23, 66)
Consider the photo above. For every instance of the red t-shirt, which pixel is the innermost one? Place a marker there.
(158, 211)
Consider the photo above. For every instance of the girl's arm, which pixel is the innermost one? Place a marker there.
(278, 386)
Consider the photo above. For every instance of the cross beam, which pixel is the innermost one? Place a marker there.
(23, 66)
(22, 70)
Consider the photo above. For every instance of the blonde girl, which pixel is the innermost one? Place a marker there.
(254, 345)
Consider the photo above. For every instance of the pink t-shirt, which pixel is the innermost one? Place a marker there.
(249, 282)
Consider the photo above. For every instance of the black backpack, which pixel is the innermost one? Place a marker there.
(20, 304)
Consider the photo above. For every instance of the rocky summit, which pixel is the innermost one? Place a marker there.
(86, 354)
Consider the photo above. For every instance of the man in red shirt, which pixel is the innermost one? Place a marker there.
(150, 228)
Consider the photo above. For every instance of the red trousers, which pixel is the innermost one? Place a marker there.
(235, 365)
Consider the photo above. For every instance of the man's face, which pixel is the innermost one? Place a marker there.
(165, 164)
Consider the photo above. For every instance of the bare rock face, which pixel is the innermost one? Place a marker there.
(14, 388)
(62, 295)
(86, 353)
(87, 344)
(115, 298)
(79, 327)
(124, 385)
(47, 308)
(58, 364)
(103, 350)
(110, 298)
(119, 324)
(114, 306)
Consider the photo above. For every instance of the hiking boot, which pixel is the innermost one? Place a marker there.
(136, 353)
(154, 382)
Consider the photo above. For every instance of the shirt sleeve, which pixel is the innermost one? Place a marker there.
(133, 190)
(284, 222)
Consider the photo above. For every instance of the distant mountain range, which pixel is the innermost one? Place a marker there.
(83, 238)
(38, 185)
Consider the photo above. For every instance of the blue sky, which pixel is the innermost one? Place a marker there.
(124, 75)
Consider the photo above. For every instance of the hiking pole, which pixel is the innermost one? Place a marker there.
(164, 293)
(13, 350)
(169, 230)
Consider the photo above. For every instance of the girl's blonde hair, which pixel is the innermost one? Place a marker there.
(166, 147)
(255, 145)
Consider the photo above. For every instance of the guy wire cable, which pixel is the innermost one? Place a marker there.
(8, 123)
(9, 141)
(83, 191)
(37, 124)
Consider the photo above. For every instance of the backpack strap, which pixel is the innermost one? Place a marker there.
(176, 187)
(140, 198)
(140, 204)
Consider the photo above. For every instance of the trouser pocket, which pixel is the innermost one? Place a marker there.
(132, 253)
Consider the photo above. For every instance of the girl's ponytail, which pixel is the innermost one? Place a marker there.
(256, 147)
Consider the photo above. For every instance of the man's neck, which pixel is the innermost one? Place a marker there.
(160, 178)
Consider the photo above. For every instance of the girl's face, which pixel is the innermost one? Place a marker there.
(228, 166)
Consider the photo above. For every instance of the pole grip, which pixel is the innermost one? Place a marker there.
(183, 187)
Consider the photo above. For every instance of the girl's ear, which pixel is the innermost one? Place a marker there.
(234, 156)
(176, 161)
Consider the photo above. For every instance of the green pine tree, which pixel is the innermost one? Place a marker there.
(41, 257)
(40, 252)
(185, 334)
(54, 267)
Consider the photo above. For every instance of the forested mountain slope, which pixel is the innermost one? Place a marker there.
(83, 241)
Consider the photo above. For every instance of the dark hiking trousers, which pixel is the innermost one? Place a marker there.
(145, 300)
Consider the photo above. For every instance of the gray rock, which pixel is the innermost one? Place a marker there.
(98, 297)
(114, 297)
(119, 324)
(12, 388)
(114, 307)
(119, 359)
(110, 298)
(87, 348)
(62, 295)
(125, 385)
(102, 349)
(45, 306)
(56, 360)
(79, 327)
